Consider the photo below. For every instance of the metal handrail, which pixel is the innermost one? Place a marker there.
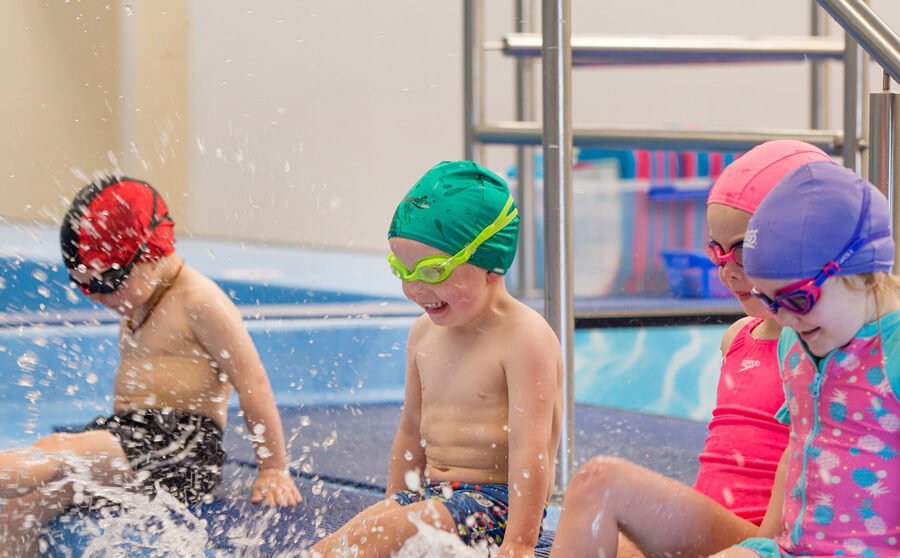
(530, 133)
(871, 32)
(690, 49)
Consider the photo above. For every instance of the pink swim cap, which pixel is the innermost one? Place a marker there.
(745, 182)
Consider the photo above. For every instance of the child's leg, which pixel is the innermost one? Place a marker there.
(98, 453)
(21, 519)
(382, 529)
(658, 514)
(23, 470)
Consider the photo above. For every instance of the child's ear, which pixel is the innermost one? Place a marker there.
(493, 277)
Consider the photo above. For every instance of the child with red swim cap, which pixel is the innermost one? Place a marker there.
(656, 514)
(183, 348)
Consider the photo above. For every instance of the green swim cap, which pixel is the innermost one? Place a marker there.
(450, 205)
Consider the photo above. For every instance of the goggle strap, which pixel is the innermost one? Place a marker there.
(502, 220)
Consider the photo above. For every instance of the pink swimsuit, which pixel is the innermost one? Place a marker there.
(842, 488)
(745, 442)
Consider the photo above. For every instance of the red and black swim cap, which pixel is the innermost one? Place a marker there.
(109, 221)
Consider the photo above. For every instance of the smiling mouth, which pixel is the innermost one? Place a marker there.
(434, 307)
(808, 333)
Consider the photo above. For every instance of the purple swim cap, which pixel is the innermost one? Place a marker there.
(745, 182)
(813, 215)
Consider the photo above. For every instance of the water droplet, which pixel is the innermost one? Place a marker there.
(408, 455)
(28, 361)
(129, 10)
(91, 378)
(411, 478)
(225, 354)
(25, 380)
(304, 421)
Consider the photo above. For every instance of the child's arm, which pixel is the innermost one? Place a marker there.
(771, 525)
(407, 452)
(219, 328)
(532, 376)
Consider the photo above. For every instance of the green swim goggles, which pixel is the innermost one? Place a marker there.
(434, 269)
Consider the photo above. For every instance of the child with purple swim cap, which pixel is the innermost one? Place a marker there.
(728, 501)
(819, 252)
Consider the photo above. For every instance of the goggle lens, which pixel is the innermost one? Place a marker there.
(798, 303)
(106, 283)
(431, 273)
(798, 298)
(426, 270)
(718, 256)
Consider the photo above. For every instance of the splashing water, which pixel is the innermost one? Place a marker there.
(135, 524)
(429, 542)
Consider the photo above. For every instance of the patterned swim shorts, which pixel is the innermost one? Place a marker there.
(479, 510)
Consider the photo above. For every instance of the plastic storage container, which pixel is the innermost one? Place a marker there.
(692, 275)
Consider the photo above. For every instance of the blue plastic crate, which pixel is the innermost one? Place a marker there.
(692, 275)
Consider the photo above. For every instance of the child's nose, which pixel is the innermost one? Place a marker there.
(733, 270)
(414, 287)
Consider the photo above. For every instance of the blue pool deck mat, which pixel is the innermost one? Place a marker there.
(339, 456)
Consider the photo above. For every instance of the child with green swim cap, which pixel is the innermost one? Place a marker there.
(475, 451)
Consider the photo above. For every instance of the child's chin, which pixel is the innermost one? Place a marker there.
(754, 308)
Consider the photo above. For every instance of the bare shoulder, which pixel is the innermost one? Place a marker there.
(200, 295)
(529, 340)
(527, 325)
(732, 332)
(421, 328)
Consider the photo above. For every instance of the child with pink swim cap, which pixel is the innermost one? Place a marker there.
(819, 252)
(615, 507)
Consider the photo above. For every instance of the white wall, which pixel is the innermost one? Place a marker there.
(303, 122)
(312, 118)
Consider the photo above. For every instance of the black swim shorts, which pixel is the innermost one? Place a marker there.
(178, 452)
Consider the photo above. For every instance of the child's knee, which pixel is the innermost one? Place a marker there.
(54, 443)
(599, 473)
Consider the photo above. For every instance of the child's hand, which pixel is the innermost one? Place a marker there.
(275, 487)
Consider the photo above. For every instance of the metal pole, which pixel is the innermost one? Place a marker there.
(473, 84)
(557, 143)
(817, 73)
(884, 151)
(527, 265)
(869, 30)
(853, 69)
